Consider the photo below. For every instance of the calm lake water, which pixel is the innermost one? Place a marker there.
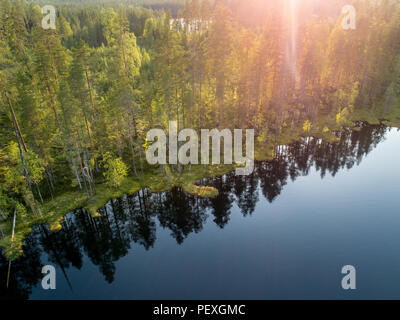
(284, 232)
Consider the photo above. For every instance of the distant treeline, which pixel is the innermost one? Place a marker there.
(157, 5)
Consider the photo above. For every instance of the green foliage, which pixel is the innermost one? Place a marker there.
(341, 117)
(22, 212)
(35, 166)
(6, 204)
(13, 177)
(307, 126)
(116, 171)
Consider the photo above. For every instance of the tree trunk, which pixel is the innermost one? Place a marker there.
(15, 121)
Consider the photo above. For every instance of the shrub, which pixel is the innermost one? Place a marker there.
(116, 171)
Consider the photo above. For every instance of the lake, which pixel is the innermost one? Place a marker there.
(284, 232)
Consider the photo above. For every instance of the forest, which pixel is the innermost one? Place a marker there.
(77, 101)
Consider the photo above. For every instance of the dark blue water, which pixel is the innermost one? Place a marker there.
(284, 232)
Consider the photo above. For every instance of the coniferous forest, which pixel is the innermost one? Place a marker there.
(77, 101)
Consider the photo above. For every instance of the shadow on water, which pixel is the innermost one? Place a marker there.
(132, 219)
